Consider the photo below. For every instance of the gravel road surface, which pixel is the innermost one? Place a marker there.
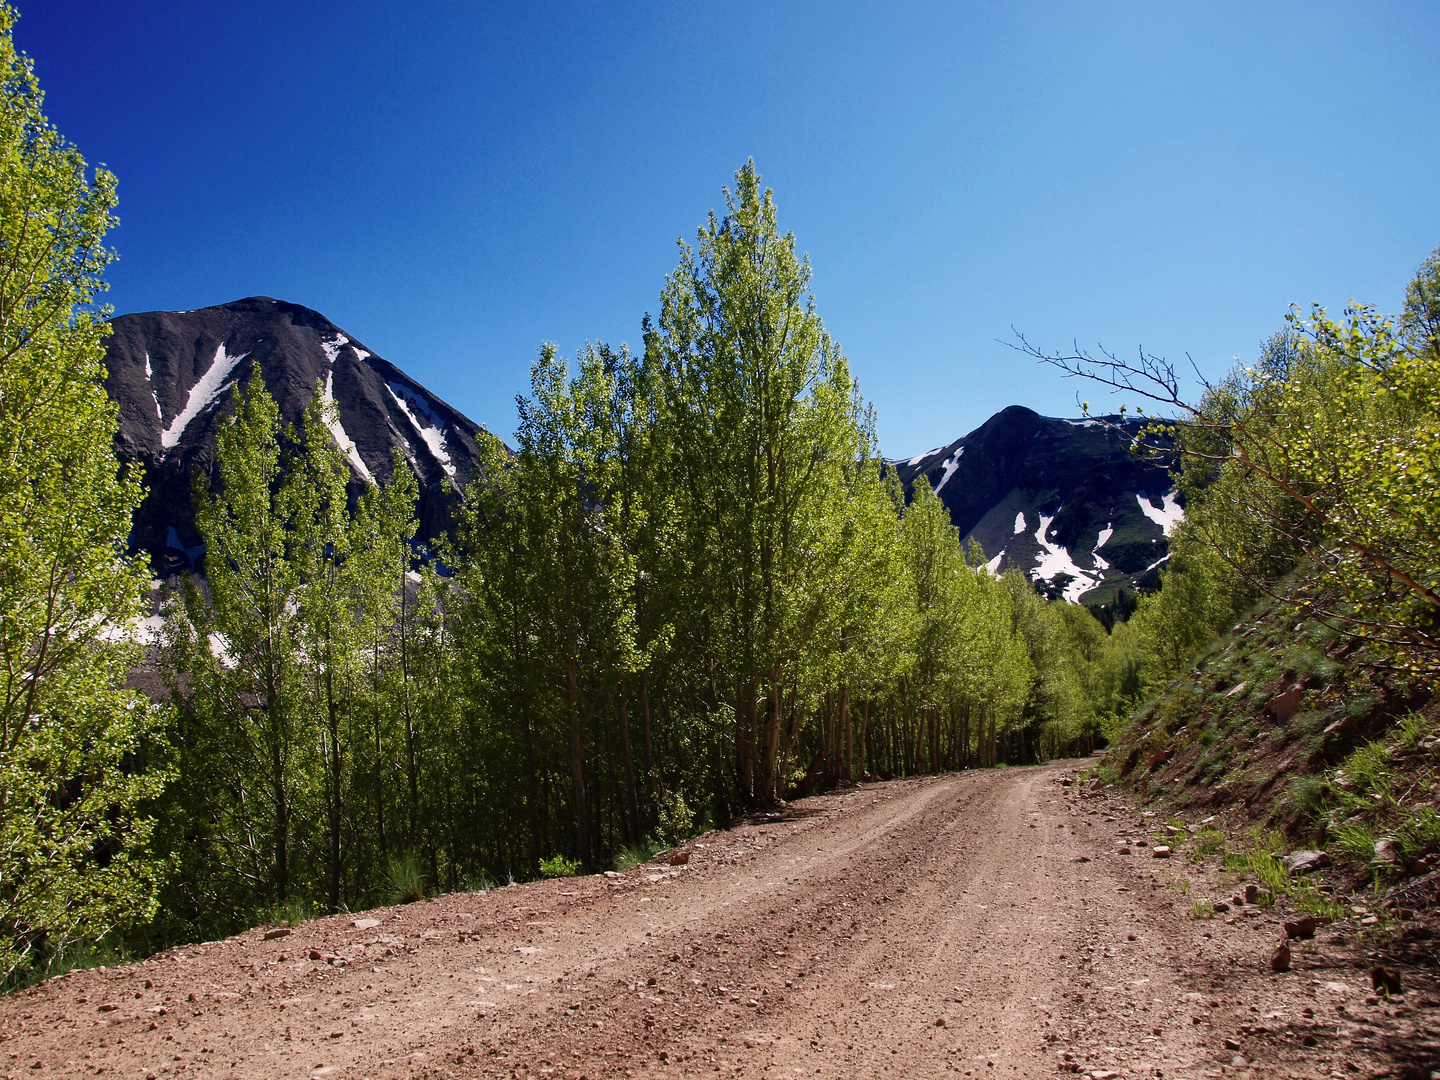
(983, 924)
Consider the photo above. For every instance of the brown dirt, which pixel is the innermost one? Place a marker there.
(979, 924)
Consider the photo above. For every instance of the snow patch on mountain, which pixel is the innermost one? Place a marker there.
(150, 378)
(921, 457)
(1167, 516)
(433, 434)
(951, 464)
(202, 395)
(332, 346)
(1103, 539)
(172, 540)
(337, 429)
(1020, 523)
(1054, 560)
(993, 566)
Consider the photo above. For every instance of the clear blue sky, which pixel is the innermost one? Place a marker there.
(455, 182)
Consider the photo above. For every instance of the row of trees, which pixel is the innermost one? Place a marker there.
(691, 589)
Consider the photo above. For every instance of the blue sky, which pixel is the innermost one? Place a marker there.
(454, 183)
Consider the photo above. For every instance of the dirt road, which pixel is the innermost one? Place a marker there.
(982, 924)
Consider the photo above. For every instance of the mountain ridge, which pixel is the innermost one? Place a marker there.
(170, 373)
(1064, 500)
(1048, 495)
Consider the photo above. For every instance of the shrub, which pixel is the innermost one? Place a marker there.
(676, 819)
(558, 866)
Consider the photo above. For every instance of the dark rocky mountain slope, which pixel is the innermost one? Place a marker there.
(1064, 500)
(171, 373)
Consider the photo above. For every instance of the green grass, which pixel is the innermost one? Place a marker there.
(1208, 842)
(404, 879)
(637, 854)
(1307, 793)
(292, 912)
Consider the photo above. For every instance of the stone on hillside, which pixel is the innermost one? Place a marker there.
(277, 932)
(1304, 862)
(1160, 851)
(1280, 958)
(1304, 927)
(1387, 853)
(1252, 893)
(679, 858)
(1284, 706)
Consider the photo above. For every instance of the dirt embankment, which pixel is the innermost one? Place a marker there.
(980, 924)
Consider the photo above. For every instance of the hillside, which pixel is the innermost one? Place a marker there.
(171, 374)
(1287, 736)
(1064, 500)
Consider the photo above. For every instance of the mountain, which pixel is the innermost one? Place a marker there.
(1064, 500)
(171, 374)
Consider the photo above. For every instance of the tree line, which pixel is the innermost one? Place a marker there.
(692, 589)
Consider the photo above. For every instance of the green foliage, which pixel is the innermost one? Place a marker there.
(406, 879)
(80, 755)
(631, 855)
(674, 820)
(558, 866)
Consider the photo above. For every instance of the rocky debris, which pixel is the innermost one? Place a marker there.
(1280, 958)
(1386, 980)
(1304, 862)
(1303, 927)
(1220, 906)
(1160, 851)
(679, 858)
(1252, 893)
(277, 932)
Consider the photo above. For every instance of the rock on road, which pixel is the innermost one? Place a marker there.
(981, 923)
